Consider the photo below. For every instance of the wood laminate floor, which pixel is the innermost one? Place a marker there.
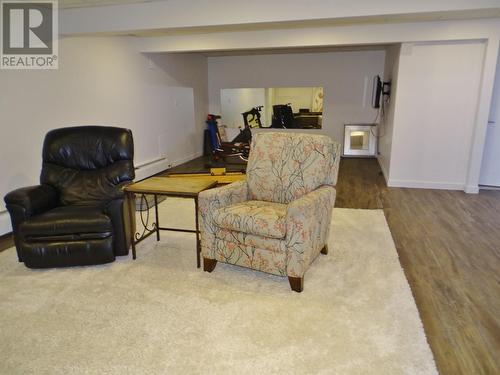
(449, 246)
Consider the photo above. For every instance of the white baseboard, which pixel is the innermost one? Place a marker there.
(426, 185)
(5, 225)
(148, 169)
(488, 187)
(384, 172)
(472, 189)
(187, 158)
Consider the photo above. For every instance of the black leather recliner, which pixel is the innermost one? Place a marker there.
(76, 216)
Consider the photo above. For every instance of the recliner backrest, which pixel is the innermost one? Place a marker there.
(284, 166)
(88, 164)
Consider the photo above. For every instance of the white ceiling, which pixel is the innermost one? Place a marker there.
(95, 3)
(275, 51)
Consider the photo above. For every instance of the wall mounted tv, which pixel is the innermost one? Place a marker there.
(380, 89)
(377, 91)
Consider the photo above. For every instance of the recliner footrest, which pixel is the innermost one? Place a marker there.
(68, 254)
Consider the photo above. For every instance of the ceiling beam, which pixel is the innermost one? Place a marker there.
(352, 35)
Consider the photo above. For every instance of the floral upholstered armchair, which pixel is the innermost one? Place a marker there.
(278, 219)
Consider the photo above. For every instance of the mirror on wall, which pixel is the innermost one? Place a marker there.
(274, 107)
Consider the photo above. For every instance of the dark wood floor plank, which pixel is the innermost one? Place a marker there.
(359, 184)
(448, 248)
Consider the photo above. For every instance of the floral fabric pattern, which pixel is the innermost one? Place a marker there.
(255, 217)
(208, 202)
(250, 257)
(285, 166)
(283, 233)
(242, 238)
(308, 224)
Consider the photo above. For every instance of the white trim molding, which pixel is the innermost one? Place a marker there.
(472, 189)
(151, 167)
(426, 184)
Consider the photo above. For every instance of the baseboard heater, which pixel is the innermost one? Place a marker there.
(151, 167)
(146, 163)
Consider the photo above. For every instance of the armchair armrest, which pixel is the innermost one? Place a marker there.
(308, 224)
(25, 202)
(33, 199)
(223, 196)
(213, 199)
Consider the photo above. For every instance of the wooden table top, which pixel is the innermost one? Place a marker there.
(181, 186)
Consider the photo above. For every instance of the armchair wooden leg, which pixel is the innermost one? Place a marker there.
(209, 264)
(296, 283)
(324, 250)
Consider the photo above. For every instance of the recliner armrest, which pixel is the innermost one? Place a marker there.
(223, 196)
(211, 200)
(308, 223)
(117, 211)
(33, 199)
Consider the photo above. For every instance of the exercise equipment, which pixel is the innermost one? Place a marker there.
(239, 147)
(251, 118)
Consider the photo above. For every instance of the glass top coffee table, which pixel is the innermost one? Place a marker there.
(170, 187)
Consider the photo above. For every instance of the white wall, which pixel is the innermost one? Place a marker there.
(236, 101)
(386, 127)
(102, 81)
(435, 111)
(345, 76)
(490, 168)
(299, 97)
(183, 139)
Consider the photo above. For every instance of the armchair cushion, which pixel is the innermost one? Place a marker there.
(285, 166)
(265, 219)
(68, 222)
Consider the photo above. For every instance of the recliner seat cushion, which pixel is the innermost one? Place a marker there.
(255, 217)
(68, 223)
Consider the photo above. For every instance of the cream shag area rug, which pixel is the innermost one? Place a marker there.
(160, 314)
